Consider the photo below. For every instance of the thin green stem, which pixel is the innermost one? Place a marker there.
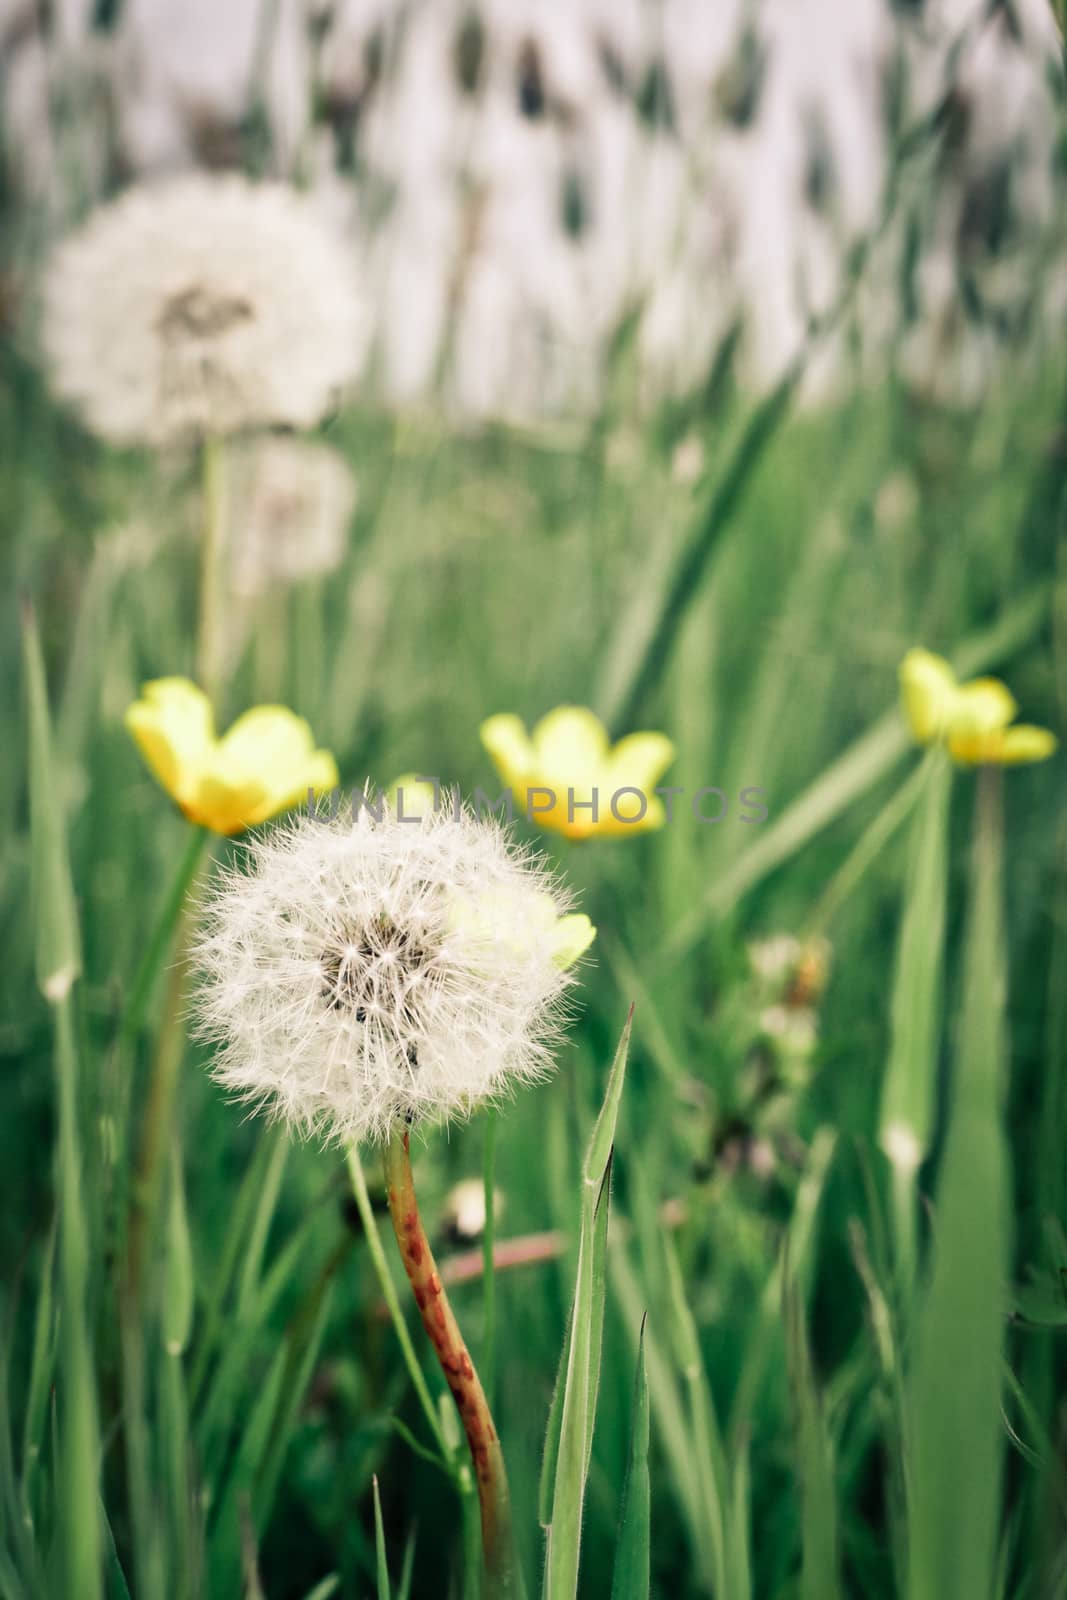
(392, 1300)
(212, 555)
(78, 1515)
(159, 1106)
(867, 849)
(488, 1261)
(159, 941)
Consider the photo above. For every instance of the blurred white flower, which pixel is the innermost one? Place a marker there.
(291, 506)
(774, 957)
(794, 1028)
(688, 460)
(343, 991)
(897, 501)
(464, 1208)
(202, 305)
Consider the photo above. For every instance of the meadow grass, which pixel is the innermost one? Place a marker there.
(769, 1359)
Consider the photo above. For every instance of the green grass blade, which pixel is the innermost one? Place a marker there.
(178, 1274)
(322, 1591)
(57, 941)
(909, 1093)
(672, 1430)
(379, 1544)
(956, 1429)
(593, 1172)
(572, 1417)
(709, 1457)
(602, 1139)
(800, 1247)
(566, 1462)
(58, 958)
(819, 1573)
(630, 1579)
(42, 1366)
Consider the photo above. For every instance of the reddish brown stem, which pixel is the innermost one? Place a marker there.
(443, 1330)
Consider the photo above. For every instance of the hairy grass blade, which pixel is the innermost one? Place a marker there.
(630, 1579)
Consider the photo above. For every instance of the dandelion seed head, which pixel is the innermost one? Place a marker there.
(358, 971)
(292, 505)
(201, 305)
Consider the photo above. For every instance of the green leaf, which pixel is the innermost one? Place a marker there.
(630, 1579)
(602, 1139)
(566, 1462)
(956, 1429)
(572, 1416)
(379, 1543)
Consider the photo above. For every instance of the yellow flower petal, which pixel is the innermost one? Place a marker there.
(571, 746)
(318, 773)
(571, 938)
(568, 763)
(640, 760)
(982, 706)
(229, 805)
(928, 690)
(173, 727)
(265, 763)
(508, 744)
(418, 796)
(272, 750)
(1003, 747)
(264, 738)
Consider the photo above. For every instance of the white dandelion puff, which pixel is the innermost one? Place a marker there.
(292, 506)
(348, 985)
(201, 305)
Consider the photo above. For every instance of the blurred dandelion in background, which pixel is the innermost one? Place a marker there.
(291, 507)
(200, 307)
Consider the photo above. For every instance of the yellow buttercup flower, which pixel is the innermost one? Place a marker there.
(264, 764)
(973, 719)
(528, 924)
(568, 776)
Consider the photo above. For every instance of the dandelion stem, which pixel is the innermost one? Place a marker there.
(211, 568)
(488, 1260)
(389, 1294)
(452, 1353)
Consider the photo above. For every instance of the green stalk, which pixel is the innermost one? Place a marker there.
(159, 1107)
(159, 940)
(212, 554)
(865, 852)
(79, 1520)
